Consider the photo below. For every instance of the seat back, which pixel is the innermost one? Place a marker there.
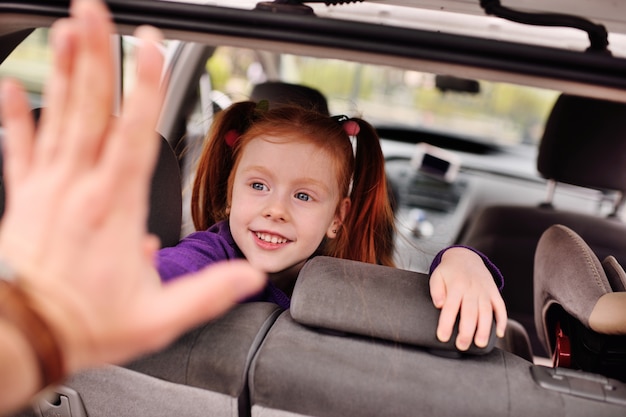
(203, 373)
(166, 201)
(584, 143)
(360, 340)
(580, 304)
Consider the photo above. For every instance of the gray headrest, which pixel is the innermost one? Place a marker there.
(370, 300)
(568, 274)
(279, 94)
(582, 138)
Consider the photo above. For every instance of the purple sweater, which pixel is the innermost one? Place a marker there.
(216, 244)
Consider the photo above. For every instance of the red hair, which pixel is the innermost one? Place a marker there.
(367, 232)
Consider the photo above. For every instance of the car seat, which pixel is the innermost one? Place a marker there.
(584, 144)
(203, 373)
(580, 304)
(359, 339)
(165, 214)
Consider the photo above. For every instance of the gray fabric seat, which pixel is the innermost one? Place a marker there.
(359, 340)
(577, 321)
(203, 373)
(584, 144)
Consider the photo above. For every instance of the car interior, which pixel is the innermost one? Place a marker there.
(542, 199)
(581, 135)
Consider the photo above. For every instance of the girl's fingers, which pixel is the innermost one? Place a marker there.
(501, 314)
(437, 289)
(485, 319)
(447, 317)
(467, 323)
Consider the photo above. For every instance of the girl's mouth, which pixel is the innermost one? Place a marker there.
(270, 238)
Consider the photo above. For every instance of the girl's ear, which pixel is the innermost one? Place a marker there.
(340, 216)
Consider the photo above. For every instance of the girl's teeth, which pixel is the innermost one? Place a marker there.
(270, 238)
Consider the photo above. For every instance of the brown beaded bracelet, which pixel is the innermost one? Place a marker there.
(15, 307)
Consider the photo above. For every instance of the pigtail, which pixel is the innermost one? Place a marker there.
(368, 229)
(209, 199)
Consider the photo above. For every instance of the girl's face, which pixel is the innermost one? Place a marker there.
(284, 201)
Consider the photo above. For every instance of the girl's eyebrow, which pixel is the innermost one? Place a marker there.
(301, 181)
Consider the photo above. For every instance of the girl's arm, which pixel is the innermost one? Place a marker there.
(463, 281)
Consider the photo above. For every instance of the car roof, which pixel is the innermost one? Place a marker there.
(467, 17)
(432, 36)
(370, 32)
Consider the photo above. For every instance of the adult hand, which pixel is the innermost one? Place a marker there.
(77, 188)
(462, 285)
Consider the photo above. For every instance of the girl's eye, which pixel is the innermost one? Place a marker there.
(303, 196)
(258, 186)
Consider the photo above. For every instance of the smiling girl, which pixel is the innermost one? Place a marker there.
(280, 186)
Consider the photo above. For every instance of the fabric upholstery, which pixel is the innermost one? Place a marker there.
(115, 391)
(569, 274)
(203, 373)
(614, 273)
(214, 356)
(304, 371)
(370, 300)
(516, 340)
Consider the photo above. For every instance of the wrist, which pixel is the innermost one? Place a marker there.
(493, 269)
(19, 367)
(18, 310)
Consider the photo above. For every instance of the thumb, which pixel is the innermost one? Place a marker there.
(204, 295)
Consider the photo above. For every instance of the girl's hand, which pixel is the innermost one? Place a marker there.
(462, 284)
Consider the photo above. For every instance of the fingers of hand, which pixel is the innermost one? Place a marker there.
(448, 315)
(131, 151)
(485, 320)
(467, 323)
(195, 299)
(437, 288)
(501, 314)
(63, 40)
(19, 132)
(92, 89)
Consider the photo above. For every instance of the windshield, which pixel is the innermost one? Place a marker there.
(491, 112)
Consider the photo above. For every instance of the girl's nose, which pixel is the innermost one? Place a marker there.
(276, 210)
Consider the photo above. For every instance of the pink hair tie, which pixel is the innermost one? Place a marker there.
(231, 137)
(351, 127)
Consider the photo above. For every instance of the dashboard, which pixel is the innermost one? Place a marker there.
(433, 211)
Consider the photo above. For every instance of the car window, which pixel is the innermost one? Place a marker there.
(499, 113)
(30, 63)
